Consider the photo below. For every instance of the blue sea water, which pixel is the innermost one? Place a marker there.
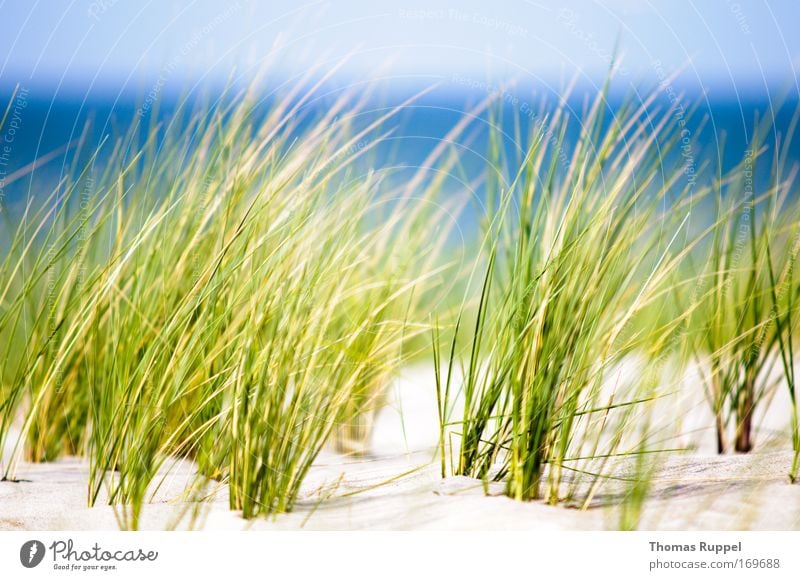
(44, 124)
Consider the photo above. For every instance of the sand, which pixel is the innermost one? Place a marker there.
(398, 486)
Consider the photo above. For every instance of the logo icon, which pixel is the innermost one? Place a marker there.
(31, 553)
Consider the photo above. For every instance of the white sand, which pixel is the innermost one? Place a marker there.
(697, 490)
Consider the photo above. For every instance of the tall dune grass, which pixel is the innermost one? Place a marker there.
(742, 322)
(233, 289)
(584, 252)
(580, 263)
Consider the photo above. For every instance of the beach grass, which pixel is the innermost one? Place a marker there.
(233, 289)
(740, 329)
(239, 285)
(573, 254)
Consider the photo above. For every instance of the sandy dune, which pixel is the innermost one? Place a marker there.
(398, 486)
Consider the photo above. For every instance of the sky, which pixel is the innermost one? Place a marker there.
(722, 45)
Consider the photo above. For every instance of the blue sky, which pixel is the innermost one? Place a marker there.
(721, 45)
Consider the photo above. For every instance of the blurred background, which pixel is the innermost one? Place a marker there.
(726, 47)
(107, 64)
